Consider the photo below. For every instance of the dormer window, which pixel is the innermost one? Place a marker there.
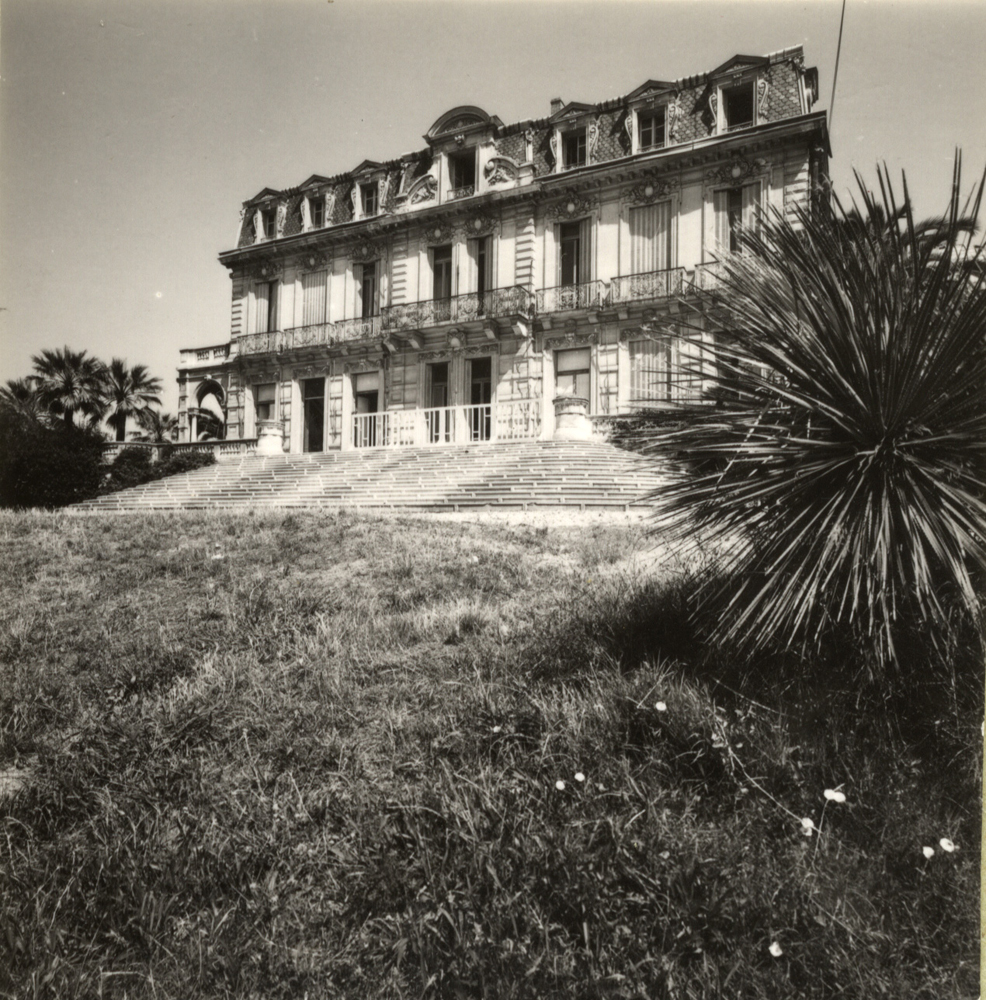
(368, 199)
(573, 150)
(738, 106)
(462, 174)
(268, 217)
(652, 129)
(316, 212)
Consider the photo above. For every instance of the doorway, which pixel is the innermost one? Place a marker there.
(313, 396)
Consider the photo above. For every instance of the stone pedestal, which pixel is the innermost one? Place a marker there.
(572, 419)
(270, 439)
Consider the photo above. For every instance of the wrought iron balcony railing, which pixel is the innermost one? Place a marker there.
(496, 303)
(648, 286)
(566, 298)
(466, 191)
(707, 277)
(313, 335)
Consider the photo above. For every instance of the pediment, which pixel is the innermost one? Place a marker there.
(316, 180)
(464, 118)
(574, 109)
(267, 194)
(738, 63)
(367, 167)
(650, 89)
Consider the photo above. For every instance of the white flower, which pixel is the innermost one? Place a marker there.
(579, 776)
(928, 852)
(560, 785)
(497, 729)
(660, 706)
(775, 949)
(947, 846)
(807, 825)
(834, 796)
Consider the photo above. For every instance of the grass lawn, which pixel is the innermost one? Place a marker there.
(321, 755)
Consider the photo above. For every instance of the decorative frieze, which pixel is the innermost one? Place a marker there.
(266, 269)
(653, 189)
(314, 260)
(364, 251)
(480, 223)
(441, 232)
(736, 171)
(362, 366)
(571, 206)
(570, 338)
(423, 189)
(500, 170)
(313, 371)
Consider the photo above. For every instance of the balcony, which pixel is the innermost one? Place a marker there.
(204, 356)
(314, 335)
(570, 298)
(498, 303)
(515, 421)
(648, 287)
(708, 277)
(467, 191)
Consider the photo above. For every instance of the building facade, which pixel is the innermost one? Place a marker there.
(453, 294)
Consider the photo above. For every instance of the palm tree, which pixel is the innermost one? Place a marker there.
(20, 397)
(158, 427)
(129, 392)
(69, 383)
(843, 459)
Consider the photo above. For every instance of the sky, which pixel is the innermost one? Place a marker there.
(131, 131)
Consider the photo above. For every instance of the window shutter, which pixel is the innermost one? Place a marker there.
(751, 201)
(313, 289)
(585, 251)
(258, 226)
(721, 199)
(261, 309)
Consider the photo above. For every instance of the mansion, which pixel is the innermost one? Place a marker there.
(507, 281)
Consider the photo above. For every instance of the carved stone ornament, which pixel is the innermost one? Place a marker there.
(592, 140)
(280, 218)
(313, 260)
(481, 351)
(736, 171)
(500, 170)
(460, 139)
(714, 107)
(628, 124)
(674, 118)
(763, 88)
(479, 224)
(354, 197)
(313, 371)
(554, 147)
(363, 366)
(364, 251)
(434, 356)
(529, 136)
(423, 189)
(382, 187)
(571, 339)
(652, 190)
(267, 269)
(440, 232)
(570, 207)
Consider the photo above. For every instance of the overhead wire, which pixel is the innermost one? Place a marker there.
(835, 75)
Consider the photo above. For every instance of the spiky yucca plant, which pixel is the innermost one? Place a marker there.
(842, 457)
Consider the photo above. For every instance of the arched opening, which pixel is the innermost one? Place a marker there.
(208, 418)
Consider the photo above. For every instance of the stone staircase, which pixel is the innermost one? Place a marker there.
(515, 475)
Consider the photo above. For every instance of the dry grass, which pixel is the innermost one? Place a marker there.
(269, 755)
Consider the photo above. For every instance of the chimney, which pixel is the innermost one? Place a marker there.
(556, 105)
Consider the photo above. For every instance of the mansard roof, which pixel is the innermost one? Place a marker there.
(263, 195)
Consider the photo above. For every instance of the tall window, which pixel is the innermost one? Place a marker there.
(314, 287)
(735, 209)
(481, 255)
(313, 395)
(316, 212)
(650, 238)
(737, 106)
(265, 315)
(462, 173)
(572, 372)
(442, 272)
(650, 372)
(437, 398)
(368, 286)
(264, 400)
(573, 252)
(573, 149)
(652, 129)
(269, 219)
(368, 197)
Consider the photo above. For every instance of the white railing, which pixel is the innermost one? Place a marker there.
(158, 450)
(440, 425)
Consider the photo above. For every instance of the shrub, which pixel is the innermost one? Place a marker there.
(186, 461)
